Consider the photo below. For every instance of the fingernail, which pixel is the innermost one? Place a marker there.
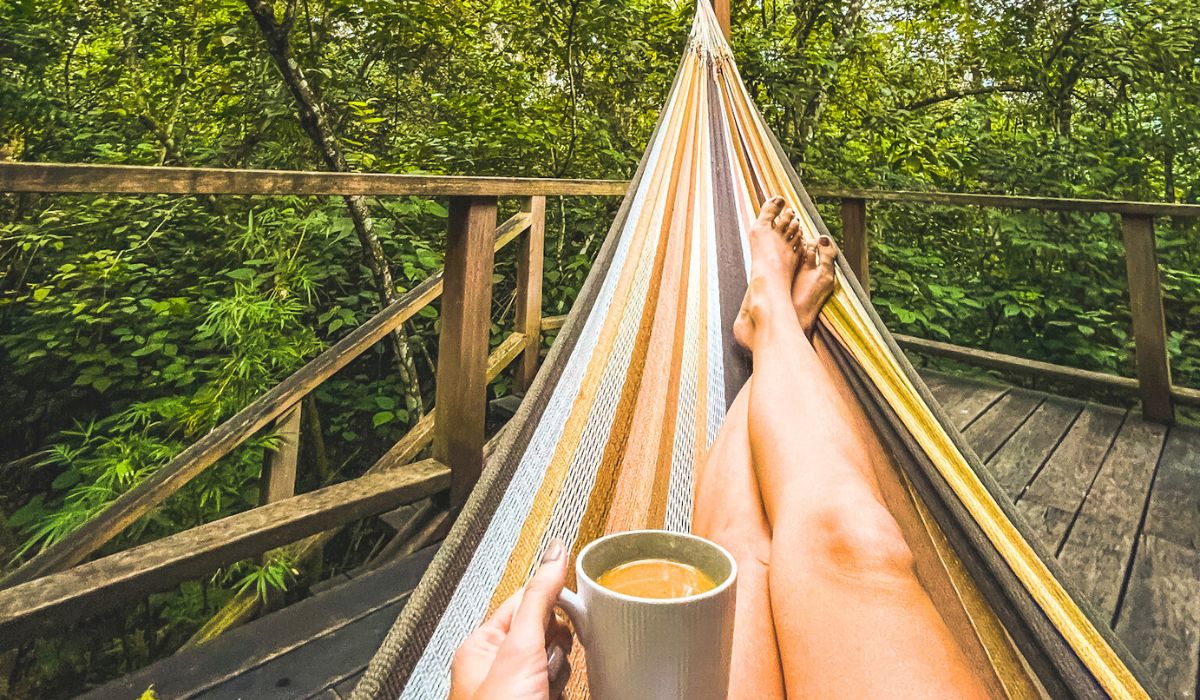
(554, 551)
(554, 662)
(824, 240)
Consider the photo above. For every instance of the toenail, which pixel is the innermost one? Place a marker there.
(824, 240)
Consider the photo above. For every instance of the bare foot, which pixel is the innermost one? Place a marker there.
(774, 258)
(814, 281)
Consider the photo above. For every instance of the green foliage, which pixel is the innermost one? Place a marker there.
(271, 576)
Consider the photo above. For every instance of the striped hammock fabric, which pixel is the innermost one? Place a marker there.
(638, 383)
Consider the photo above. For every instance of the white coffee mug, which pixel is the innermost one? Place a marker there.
(654, 647)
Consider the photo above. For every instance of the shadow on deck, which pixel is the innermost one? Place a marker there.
(1116, 498)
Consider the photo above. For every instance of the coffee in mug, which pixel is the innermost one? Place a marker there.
(656, 578)
(654, 613)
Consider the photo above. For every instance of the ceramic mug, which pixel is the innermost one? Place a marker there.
(654, 647)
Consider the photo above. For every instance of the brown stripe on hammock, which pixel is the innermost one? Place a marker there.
(731, 263)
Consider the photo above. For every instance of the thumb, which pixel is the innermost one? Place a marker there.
(529, 622)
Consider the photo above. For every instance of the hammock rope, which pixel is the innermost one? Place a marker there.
(635, 389)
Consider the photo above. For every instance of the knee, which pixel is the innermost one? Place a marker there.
(855, 535)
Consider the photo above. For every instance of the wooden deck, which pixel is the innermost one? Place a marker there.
(1116, 498)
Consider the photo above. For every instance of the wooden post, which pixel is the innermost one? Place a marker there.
(854, 239)
(463, 344)
(279, 470)
(721, 9)
(1149, 324)
(529, 291)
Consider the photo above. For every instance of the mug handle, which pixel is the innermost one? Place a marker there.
(572, 605)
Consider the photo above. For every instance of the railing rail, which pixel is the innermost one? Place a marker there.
(1154, 387)
(1004, 201)
(63, 598)
(67, 178)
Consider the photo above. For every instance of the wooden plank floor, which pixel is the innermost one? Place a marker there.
(316, 648)
(1117, 499)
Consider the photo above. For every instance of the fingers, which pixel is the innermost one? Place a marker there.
(559, 634)
(770, 209)
(557, 661)
(558, 655)
(529, 621)
(558, 683)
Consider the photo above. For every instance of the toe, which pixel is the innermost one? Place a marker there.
(784, 221)
(828, 252)
(793, 230)
(811, 258)
(770, 209)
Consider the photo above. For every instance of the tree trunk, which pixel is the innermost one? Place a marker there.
(844, 29)
(312, 118)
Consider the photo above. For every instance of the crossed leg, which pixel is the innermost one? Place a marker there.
(848, 617)
(729, 511)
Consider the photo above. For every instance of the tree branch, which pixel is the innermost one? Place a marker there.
(311, 113)
(969, 92)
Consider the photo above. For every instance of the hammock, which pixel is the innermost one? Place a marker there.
(637, 384)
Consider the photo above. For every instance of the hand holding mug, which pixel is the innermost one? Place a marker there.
(654, 612)
(521, 651)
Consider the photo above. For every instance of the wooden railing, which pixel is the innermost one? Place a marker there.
(54, 588)
(1153, 384)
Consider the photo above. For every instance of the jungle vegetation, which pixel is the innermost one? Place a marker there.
(129, 326)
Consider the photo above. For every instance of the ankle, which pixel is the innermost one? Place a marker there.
(768, 301)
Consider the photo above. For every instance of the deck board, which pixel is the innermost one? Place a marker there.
(1069, 472)
(1174, 511)
(276, 640)
(320, 664)
(1160, 615)
(993, 427)
(1160, 612)
(345, 687)
(1016, 463)
(965, 403)
(1099, 544)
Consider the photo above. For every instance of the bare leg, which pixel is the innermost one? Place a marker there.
(729, 512)
(851, 618)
